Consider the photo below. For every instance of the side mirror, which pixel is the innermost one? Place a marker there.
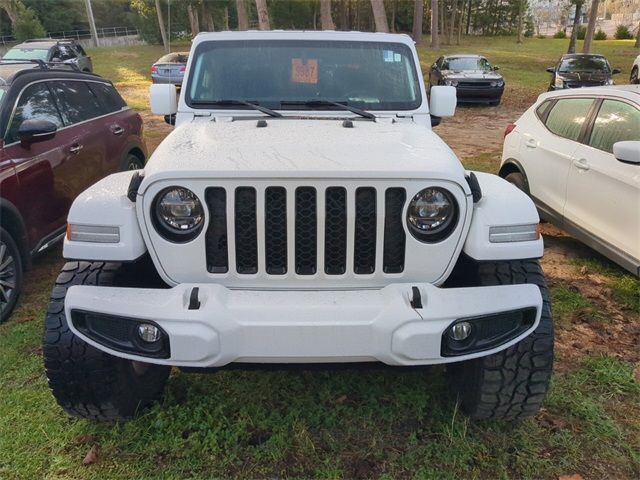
(551, 69)
(36, 130)
(615, 71)
(163, 99)
(496, 67)
(442, 101)
(627, 151)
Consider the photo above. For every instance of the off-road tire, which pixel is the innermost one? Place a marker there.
(10, 274)
(518, 179)
(510, 384)
(85, 381)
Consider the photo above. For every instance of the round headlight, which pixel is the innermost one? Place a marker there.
(432, 214)
(453, 83)
(178, 214)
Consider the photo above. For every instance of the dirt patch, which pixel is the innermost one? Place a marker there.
(617, 332)
(477, 130)
(155, 130)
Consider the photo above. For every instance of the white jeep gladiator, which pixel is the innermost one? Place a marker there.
(302, 211)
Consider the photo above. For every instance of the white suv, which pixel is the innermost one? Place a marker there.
(302, 211)
(577, 154)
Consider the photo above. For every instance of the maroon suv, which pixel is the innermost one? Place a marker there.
(60, 132)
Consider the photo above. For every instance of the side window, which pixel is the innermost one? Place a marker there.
(77, 102)
(542, 110)
(567, 117)
(54, 53)
(36, 102)
(66, 53)
(108, 96)
(439, 62)
(80, 50)
(616, 122)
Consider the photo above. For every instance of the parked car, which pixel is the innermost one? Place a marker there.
(634, 79)
(577, 154)
(61, 131)
(474, 77)
(317, 219)
(51, 50)
(170, 68)
(577, 70)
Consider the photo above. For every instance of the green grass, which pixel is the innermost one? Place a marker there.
(567, 304)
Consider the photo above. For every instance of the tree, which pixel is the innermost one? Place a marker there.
(418, 14)
(163, 33)
(379, 16)
(325, 15)
(24, 21)
(243, 19)
(193, 19)
(435, 39)
(263, 15)
(207, 18)
(591, 26)
(520, 19)
(638, 37)
(576, 22)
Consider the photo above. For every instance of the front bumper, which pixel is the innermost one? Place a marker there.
(479, 94)
(301, 326)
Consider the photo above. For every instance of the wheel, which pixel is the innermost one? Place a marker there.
(495, 103)
(510, 384)
(10, 274)
(132, 163)
(634, 76)
(518, 179)
(85, 381)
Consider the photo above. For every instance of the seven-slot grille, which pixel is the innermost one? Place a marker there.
(312, 220)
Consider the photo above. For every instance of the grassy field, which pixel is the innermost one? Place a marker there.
(349, 423)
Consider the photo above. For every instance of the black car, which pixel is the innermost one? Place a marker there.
(51, 50)
(577, 70)
(474, 77)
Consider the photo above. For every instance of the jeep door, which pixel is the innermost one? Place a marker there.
(547, 152)
(81, 112)
(43, 191)
(603, 193)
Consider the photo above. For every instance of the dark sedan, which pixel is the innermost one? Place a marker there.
(475, 79)
(581, 70)
(170, 68)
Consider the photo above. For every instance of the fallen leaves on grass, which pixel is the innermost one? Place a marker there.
(636, 374)
(574, 476)
(92, 456)
(547, 421)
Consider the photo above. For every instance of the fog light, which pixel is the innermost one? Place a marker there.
(148, 333)
(460, 331)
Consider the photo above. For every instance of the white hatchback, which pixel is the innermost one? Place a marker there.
(577, 154)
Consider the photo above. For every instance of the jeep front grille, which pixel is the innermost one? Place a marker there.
(318, 219)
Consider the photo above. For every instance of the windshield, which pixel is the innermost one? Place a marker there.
(466, 63)
(366, 75)
(26, 54)
(584, 64)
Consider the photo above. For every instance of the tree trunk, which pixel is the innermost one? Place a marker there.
(520, 19)
(435, 40)
(392, 27)
(442, 29)
(207, 18)
(163, 32)
(263, 15)
(193, 19)
(379, 16)
(418, 16)
(469, 18)
(226, 18)
(638, 37)
(591, 26)
(454, 11)
(325, 15)
(574, 30)
(12, 7)
(243, 20)
(460, 22)
(344, 15)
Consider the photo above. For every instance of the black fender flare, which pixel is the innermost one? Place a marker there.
(17, 228)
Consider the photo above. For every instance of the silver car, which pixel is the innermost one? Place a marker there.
(51, 50)
(170, 68)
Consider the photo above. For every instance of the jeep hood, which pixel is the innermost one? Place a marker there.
(311, 148)
(470, 75)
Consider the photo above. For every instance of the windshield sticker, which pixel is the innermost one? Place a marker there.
(387, 55)
(397, 57)
(304, 72)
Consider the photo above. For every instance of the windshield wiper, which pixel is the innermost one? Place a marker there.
(341, 105)
(229, 102)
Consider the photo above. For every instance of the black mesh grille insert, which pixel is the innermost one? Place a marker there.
(364, 254)
(394, 236)
(306, 231)
(335, 231)
(275, 225)
(216, 238)
(246, 230)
